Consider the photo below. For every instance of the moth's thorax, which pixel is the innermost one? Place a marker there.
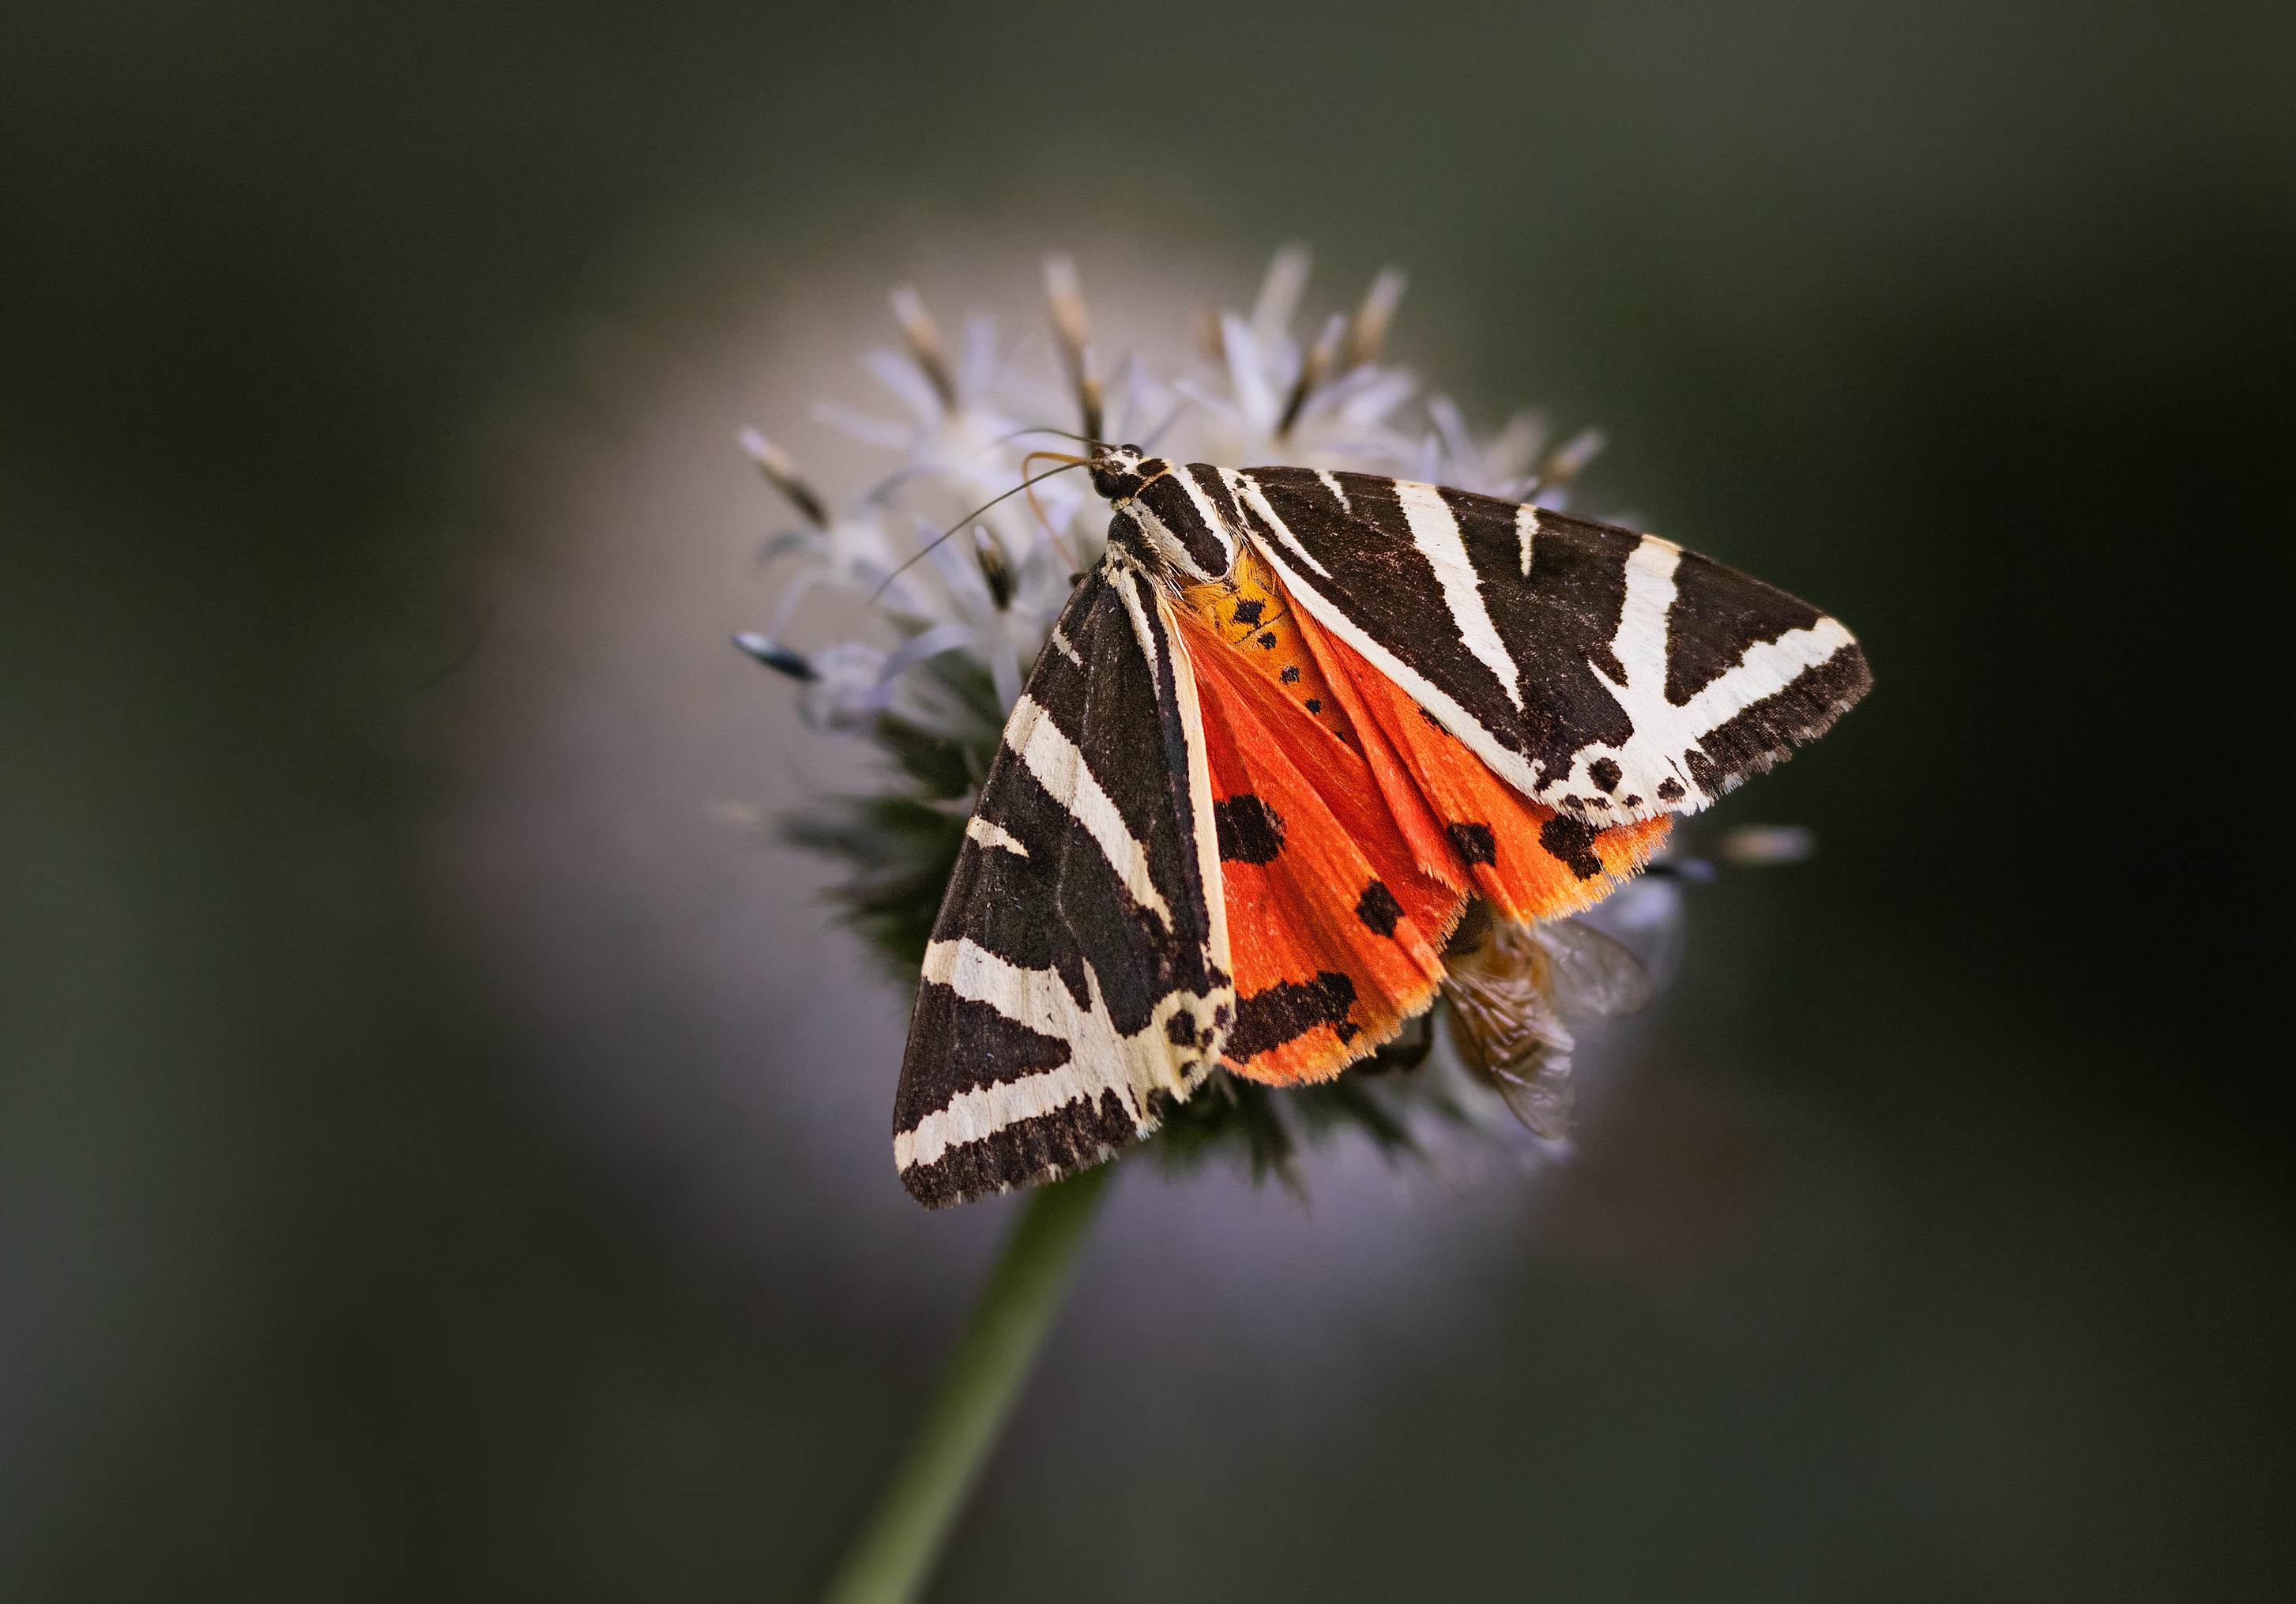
(1180, 521)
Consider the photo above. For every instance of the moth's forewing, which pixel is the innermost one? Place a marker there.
(1078, 974)
(1607, 674)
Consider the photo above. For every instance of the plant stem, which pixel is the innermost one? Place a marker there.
(893, 1557)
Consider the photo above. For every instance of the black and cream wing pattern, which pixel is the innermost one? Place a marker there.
(1077, 976)
(1604, 673)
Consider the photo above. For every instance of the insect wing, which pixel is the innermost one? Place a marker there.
(1592, 973)
(1538, 1092)
(1609, 675)
(1510, 989)
(1077, 975)
(1336, 934)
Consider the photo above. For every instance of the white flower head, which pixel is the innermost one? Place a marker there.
(955, 561)
(848, 552)
(1269, 399)
(1508, 465)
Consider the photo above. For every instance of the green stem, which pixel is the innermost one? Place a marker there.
(893, 1557)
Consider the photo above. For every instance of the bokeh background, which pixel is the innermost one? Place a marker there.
(441, 1151)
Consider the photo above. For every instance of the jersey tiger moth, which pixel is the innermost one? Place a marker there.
(1282, 736)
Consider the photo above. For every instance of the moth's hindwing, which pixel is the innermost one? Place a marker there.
(1609, 675)
(1336, 932)
(1077, 976)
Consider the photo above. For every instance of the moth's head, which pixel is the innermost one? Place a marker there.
(1118, 471)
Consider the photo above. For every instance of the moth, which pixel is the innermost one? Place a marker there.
(1282, 735)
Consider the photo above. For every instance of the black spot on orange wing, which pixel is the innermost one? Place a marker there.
(1571, 841)
(1494, 833)
(1293, 921)
(1288, 1010)
(1250, 830)
(1378, 908)
(1474, 843)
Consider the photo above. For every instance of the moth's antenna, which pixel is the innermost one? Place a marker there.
(1082, 439)
(968, 518)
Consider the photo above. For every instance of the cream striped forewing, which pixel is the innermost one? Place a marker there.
(1610, 675)
(1078, 977)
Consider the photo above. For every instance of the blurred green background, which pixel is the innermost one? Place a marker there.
(1972, 321)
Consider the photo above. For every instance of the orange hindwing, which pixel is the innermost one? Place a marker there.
(1531, 862)
(1335, 934)
(1352, 828)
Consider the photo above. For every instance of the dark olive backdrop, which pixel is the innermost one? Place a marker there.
(1976, 319)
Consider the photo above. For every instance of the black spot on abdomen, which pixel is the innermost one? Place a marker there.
(1474, 843)
(1247, 613)
(1288, 1010)
(1250, 830)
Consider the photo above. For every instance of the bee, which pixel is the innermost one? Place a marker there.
(1510, 989)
